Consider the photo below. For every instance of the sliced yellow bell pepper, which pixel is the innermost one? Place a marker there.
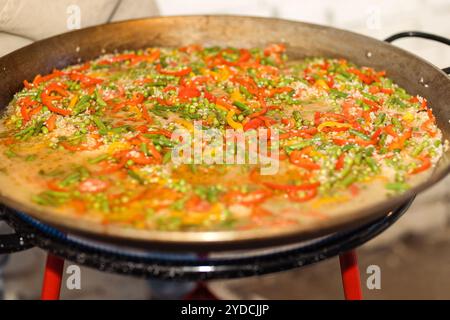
(231, 122)
(73, 102)
(321, 84)
(236, 96)
(185, 123)
(333, 124)
(408, 117)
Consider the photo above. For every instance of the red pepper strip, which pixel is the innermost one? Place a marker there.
(390, 130)
(170, 88)
(34, 111)
(267, 121)
(296, 158)
(366, 78)
(248, 83)
(260, 112)
(114, 168)
(330, 81)
(47, 99)
(374, 89)
(58, 88)
(146, 115)
(27, 85)
(178, 73)
(221, 101)
(304, 133)
(275, 91)
(414, 99)
(426, 127)
(289, 123)
(186, 93)
(387, 90)
(137, 99)
(366, 116)
(85, 80)
(25, 103)
(253, 124)
(209, 96)
(375, 106)
(47, 102)
(340, 142)
(165, 102)
(150, 58)
(83, 67)
(38, 79)
(24, 113)
(423, 104)
(163, 132)
(93, 185)
(51, 122)
(426, 163)
(72, 148)
(287, 187)
(244, 56)
(309, 194)
(196, 204)
(340, 162)
(53, 185)
(376, 134)
(155, 153)
(335, 116)
(399, 143)
(363, 143)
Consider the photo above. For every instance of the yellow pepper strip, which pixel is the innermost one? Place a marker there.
(321, 84)
(236, 96)
(73, 102)
(117, 146)
(333, 124)
(218, 106)
(329, 200)
(408, 117)
(231, 122)
(187, 124)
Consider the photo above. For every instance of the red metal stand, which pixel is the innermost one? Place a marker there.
(349, 270)
(201, 292)
(350, 276)
(53, 274)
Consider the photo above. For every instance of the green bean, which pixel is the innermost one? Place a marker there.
(135, 176)
(359, 134)
(241, 106)
(98, 159)
(397, 186)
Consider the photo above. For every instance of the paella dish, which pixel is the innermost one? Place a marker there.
(121, 139)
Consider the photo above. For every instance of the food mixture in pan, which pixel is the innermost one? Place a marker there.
(95, 140)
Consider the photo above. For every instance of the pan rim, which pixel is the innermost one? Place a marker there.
(224, 239)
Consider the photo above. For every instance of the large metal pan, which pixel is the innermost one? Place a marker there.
(411, 72)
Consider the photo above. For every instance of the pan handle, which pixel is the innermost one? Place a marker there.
(12, 242)
(419, 34)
